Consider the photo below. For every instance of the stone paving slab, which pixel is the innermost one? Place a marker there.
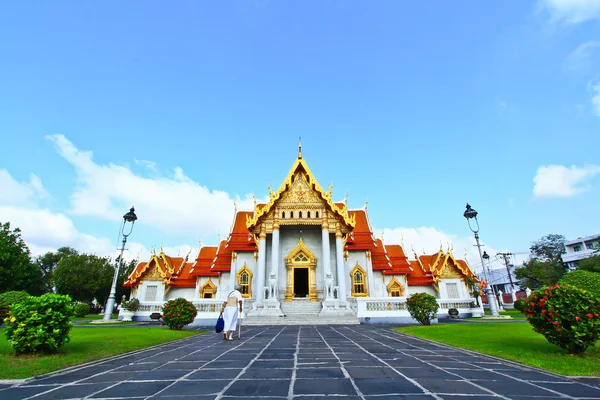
(304, 363)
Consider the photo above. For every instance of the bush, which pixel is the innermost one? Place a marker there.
(81, 310)
(519, 304)
(585, 280)
(179, 312)
(131, 305)
(568, 317)
(423, 307)
(7, 299)
(39, 324)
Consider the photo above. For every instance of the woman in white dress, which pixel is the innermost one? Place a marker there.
(232, 308)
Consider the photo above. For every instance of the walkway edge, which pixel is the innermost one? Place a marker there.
(17, 382)
(515, 363)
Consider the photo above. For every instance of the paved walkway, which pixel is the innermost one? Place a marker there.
(303, 363)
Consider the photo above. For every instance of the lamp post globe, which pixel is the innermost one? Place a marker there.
(471, 214)
(126, 229)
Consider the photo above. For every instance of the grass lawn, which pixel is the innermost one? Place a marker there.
(516, 342)
(85, 345)
(93, 316)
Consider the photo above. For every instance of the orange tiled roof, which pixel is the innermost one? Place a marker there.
(222, 260)
(201, 267)
(379, 258)
(418, 277)
(184, 277)
(400, 264)
(240, 238)
(361, 237)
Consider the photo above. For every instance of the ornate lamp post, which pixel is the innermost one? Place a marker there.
(470, 214)
(110, 303)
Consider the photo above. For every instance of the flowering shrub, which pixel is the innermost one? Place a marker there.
(81, 309)
(39, 324)
(423, 307)
(519, 304)
(179, 312)
(568, 317)
(585, 280)
(7, 299)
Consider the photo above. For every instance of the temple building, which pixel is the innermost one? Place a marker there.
(303, 256)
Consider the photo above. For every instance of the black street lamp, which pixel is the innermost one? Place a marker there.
(471, 214)
(130, 217)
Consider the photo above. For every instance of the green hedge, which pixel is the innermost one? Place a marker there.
(589, 281)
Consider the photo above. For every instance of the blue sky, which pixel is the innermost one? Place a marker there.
(181, 109)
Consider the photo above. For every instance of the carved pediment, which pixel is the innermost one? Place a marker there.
(300, 195)
(451, 271)
(152, 274)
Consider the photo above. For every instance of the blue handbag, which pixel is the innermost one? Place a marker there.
(220, 325)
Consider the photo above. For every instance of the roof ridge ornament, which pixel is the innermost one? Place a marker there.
(300, 147)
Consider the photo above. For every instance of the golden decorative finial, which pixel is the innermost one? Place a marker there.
(161, 249)
(329, 189)
(346, 199)
(300, 147)
(366, 204)
(271, 193)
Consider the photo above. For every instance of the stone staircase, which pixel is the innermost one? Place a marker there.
(301, 312)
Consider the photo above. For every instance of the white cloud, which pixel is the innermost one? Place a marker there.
(562, 181)
(173, 205)
(580, 59)
(20, 193)
(595, 89)
(571, 11)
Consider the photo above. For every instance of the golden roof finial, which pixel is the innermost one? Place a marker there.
(254, 198)
(329, 189)
(441, 246)
(161, 249)
(300, 147)
(271, 193)
(366, 204)
(346, 199)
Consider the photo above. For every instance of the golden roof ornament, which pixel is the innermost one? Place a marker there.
(300, 147)
(366, 204)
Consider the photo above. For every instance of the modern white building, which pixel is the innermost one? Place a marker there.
(580, 248)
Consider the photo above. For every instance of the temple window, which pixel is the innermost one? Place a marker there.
(244, 279)
(452, 289)
(395, 289)
(208, 290)
(151, 293)
(301, 257)
(299, 214)
(291, 214)
(283, 215)
(359, 282)
(316, 214)
(308, 214)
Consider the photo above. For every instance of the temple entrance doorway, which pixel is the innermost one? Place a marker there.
(300, 283)
(301, 280)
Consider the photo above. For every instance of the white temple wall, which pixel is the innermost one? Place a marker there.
(354, 257)
(421, 289)
(228, 280)
(379, 289)
(151, 291)
(459, 290)
(288, 239)
(175, 293)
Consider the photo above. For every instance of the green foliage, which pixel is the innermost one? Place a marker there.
(423, 307)
(179, 312)
(81, 310)
(130, 305)
(48, 263)
(84, 277)
(8, 299)
(589, 281)
(549, 248)
(591, 264)
(536, 273)
(519, 305)
(17, 272)
(39, 324)
(567, 317)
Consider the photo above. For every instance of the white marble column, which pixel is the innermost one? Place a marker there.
(262, 265)
(370, 283)
(326, 254)
(274, 259)
(341, 270)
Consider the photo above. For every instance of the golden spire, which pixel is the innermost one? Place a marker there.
(329, 189)
(161, 249)
(271, 193)
(300, 147)
(441, 246)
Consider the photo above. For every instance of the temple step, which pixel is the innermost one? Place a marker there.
(300, 307)
(300, 320)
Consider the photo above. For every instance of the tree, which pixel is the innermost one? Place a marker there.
(535, 273)
(124, 271)
(546, 266)
(591, 264)
(84, 277)
(17, 272)
(48, 263)
(549, 248)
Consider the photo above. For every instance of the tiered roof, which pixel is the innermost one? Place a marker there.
(173, 271)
